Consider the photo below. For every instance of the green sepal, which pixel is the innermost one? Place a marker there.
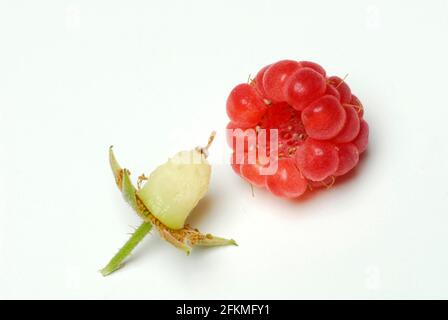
(212, 241)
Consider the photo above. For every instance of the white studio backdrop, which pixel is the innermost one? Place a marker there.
(152, 79)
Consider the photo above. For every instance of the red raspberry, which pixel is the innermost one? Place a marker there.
(317, 159)
(275, 76)
(332, 91)
(287, 181)
(318, 121)
(235, 163)
(351, 128)
(314, 66)
(348, 158)
(245, 107)
(253, 171)
(324, 118)
(244, 136)
(303, 87)
(258, 81)
(326, 183)
(362, 139)
(286, 120)
(355, 103)
(342, 87)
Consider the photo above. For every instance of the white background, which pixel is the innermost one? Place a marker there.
(152, 78)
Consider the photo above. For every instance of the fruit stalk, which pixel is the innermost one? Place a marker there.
(183, 239)
(117, 261)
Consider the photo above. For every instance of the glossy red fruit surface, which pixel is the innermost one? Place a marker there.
(362, 139)
(351, 128)
(331, 91)
(344, 90)
(357, 104)
(324, 118)
(253, 171)
(303, 87)
(258, 81)
(287, 181)
(316, 67)
(275, 77)
(348, 158)
(317, 159)
(245, 107)
(326, 183)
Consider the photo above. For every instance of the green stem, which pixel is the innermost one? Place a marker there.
(116, 262)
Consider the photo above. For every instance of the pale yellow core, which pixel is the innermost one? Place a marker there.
(174, 188)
